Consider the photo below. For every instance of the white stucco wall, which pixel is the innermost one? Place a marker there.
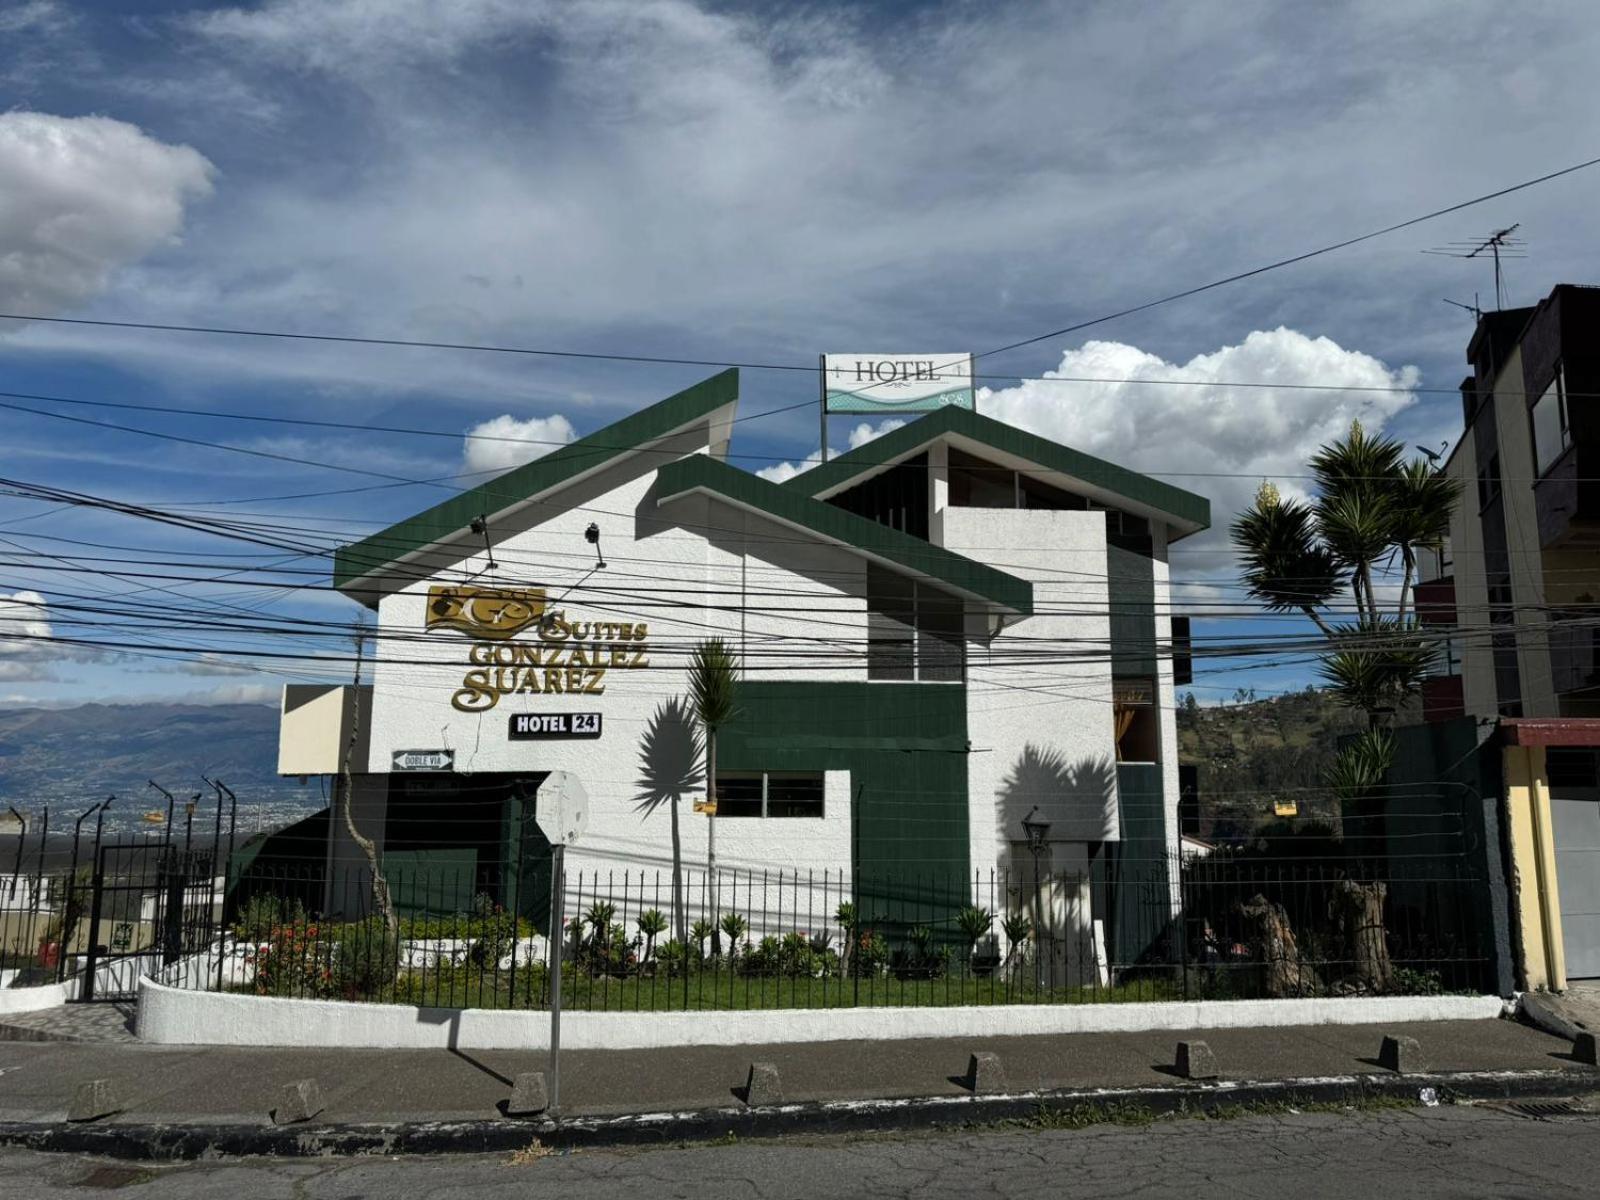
(693, 569)
(1042, 731)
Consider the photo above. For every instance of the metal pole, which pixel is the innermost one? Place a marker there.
(16, 870)
(166, 829)
(557, 935)
(822, 406)
(1038, 923)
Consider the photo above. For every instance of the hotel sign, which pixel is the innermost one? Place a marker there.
(536, 726)
(564, 656)
(898, 383)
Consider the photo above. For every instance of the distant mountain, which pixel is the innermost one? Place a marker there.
(1256, 752)
(69, 758)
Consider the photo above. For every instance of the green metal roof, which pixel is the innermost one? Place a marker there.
(1184, 507)
(829, 522)
(452, 517)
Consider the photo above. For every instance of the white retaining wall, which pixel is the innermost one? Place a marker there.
(31, 999)
(170, 1016)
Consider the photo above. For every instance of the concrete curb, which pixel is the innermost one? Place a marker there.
(180, 1142)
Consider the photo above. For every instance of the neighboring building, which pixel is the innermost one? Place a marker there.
(1517, 592)
(938, 633)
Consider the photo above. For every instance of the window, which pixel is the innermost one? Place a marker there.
(739, 795)
(1138, 723)
(914, 632)
(775, 794)
(1489, 482)
(1551, 432)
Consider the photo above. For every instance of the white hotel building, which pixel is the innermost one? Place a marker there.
(937, 634)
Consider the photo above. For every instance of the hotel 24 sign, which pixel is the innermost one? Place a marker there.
(564, 656)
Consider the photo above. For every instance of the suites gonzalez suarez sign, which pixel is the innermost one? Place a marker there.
(565, 656)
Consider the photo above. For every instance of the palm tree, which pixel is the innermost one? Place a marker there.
(1370, 506)
(652, 925)
(711, 695)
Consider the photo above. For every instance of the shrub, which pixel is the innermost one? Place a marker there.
(673, 957)
(497, 931)
(1407, 981)
(921, 957)
(974, 924)
(870, 954)
(292, 961)
(263, 913)
(699, 932)
(367, 960)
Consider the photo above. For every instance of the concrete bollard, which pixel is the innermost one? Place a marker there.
(93, 1099)
(1195, 1061)
(762, 1086)
(298, 1101)
(1585, 1050)
(985, 1075)
(528, 1095)
(1400, 1054)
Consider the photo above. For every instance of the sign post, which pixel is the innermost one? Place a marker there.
(562, 813)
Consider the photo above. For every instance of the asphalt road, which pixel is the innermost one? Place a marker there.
(1440, 1152)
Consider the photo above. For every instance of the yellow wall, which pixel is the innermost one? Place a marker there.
(1536, 902)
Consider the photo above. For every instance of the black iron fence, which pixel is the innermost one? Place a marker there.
(96, 907)
(1227, 925)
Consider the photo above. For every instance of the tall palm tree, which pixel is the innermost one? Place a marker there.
(712, 672)
(1370, 506)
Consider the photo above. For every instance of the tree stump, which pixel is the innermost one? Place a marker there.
(1359, 910)
(1285, 973)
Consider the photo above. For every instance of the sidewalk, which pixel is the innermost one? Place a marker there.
(178, 1088)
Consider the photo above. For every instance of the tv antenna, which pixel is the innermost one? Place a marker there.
(1499, 245)
(1477, 313)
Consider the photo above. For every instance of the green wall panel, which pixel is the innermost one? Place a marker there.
(905, 746)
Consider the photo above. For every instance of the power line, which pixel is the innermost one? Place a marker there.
(1293, 259)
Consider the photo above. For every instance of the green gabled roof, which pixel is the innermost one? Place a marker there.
(452, 517)
(1185, 507)
(700, 472)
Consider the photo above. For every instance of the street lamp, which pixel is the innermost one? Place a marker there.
(1037, 828)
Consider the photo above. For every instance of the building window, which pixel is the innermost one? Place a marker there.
(1137, 720)
(1552, 434)
(1489, 482)
(914, 632)
(775, 794)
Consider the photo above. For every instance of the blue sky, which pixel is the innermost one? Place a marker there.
(754, 183)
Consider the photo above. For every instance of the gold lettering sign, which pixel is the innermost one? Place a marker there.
(495, 613)
(570, 657)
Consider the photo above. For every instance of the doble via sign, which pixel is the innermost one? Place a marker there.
(423, 760)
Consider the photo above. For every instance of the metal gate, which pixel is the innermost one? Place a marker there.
(152, 905)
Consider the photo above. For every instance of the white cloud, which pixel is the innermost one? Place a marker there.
(505, 442)
(32, 16)
(24, 621)
(859, 436)
(231, 693)
(83, 197)
(1211, 436)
